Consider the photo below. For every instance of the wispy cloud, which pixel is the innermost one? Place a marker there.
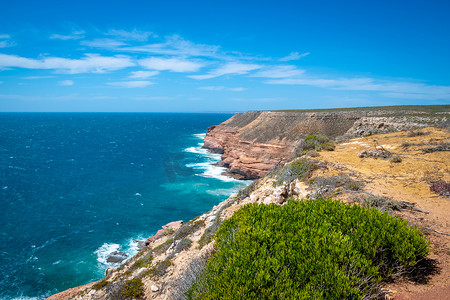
(177, 46)
(143, 74)
(221, 88)
(90, 63)
(36, 77)
(75, 35)
(279, 72)
(131, 84)
(391, 89)
(294, 56)
(66, 82)
(103, 43)
(232, 68)
(5, 41)
(134, 35)
(152, 98)
(171, 64)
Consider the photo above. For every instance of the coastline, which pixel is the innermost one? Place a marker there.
(261, 191)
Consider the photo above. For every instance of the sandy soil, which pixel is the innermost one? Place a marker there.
(408, 181)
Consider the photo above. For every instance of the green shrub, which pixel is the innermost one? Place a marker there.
(209, 232)
(163, 247)
(184, 244)
(299, 169)
(319, 249)
(188, 228)
(160, 268)
(143, 262)
(315, 142)
(100, 284)
(133, 289)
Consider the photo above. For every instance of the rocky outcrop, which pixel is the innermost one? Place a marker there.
(172, 226)
(252, 143)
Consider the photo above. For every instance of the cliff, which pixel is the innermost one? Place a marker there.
(252, 143)
(173, 261)
(255, 141)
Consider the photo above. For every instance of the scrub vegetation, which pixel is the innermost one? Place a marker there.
(307, 249)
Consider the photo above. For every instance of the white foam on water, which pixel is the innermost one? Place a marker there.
(104, 250)
(200, 135)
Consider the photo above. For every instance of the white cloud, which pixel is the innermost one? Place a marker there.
(131, 84)
(152, 98)
(8, 42)
(170, 64)
(143, 74)
(391, 89)
(211, 88)
(177, 46)
(66, 82)
(232, 68)
(90, 63)
(278, 72)
(76, 35)
(220, 88)
(36, 77)
(134, 35)
(294, 56)
(103, 43)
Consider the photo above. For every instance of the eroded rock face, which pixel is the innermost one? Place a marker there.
(252, 143)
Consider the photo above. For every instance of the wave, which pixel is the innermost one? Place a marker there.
(129, 247)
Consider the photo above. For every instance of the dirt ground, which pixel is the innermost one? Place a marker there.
(408, 181)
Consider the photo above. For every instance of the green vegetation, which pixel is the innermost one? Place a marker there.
(163, 247)
(100, 284)
(143, 262)
(160, 268)
(299, 169)
(208, 234)
(314, 142)
(183, 244)
(307, 249)
(133, 289)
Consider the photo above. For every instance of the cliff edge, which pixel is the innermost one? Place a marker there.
(252, 143)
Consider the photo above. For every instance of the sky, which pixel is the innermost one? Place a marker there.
(221, 56)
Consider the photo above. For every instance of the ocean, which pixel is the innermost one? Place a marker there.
(76, 186)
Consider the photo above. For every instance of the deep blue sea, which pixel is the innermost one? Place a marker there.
(76, 186)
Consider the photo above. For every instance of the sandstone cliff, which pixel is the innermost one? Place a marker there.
(252, 143)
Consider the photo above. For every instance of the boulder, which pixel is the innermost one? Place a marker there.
(116, 257)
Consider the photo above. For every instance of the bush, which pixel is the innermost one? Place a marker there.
(208, 234)
(184, 244)
(163, 247)
(314, 142)
(133, 289)
(142, 262)
(396, 159)
(319, 249)
(442, 188)
(299, 169)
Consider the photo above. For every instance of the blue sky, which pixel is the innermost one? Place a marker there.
(206, 56)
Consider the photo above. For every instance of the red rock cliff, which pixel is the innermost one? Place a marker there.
(253, 142)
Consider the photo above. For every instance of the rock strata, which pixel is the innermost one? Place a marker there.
(252, 143)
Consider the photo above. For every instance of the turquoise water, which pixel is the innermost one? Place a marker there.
(76, 186)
